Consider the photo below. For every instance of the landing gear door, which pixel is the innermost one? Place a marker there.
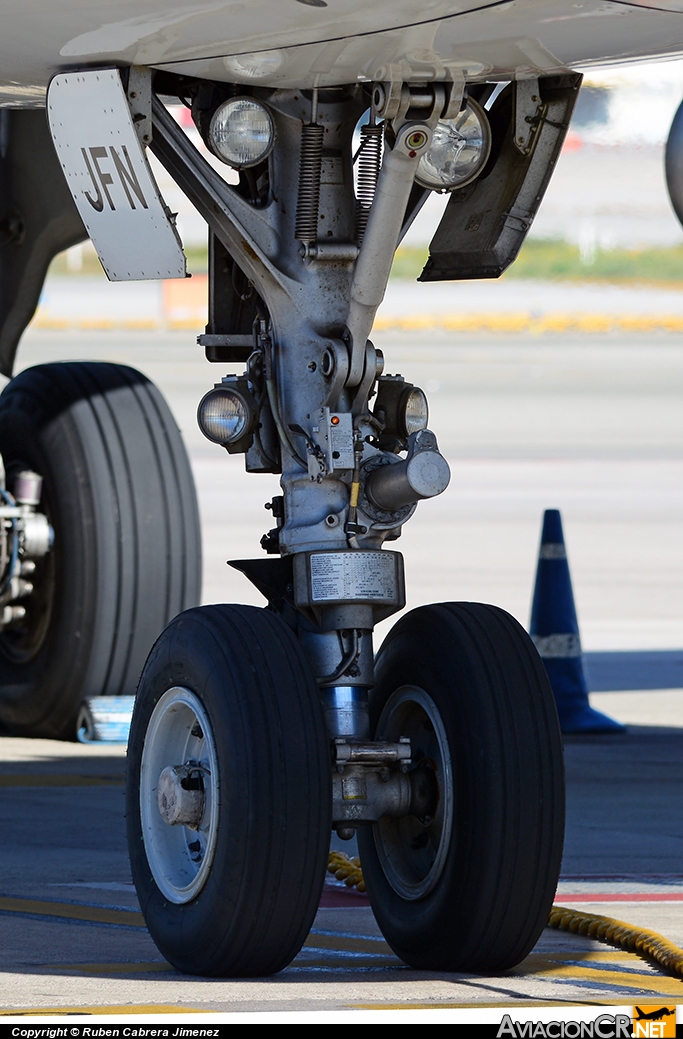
(110, 179)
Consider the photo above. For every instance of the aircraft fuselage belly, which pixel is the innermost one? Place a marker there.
(290, 43)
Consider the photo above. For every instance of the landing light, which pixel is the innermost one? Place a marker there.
(459, 150)
(415, 411)
(224, 416)
(241, 132)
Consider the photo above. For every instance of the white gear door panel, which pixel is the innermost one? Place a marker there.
(110, 179)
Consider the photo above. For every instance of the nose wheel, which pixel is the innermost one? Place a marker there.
(469, 885)
(229, 793)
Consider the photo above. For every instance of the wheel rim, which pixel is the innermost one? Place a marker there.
(180, 857)
(413, 852)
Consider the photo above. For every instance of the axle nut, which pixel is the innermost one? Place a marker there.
(180, 796)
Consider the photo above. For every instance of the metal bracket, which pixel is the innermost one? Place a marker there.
(139, 96)
(528, 105)
(333, 433)
(373, 753)
(386, 99)
(454, 95)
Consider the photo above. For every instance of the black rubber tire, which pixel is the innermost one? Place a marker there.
(492, 898)
(119, 493)
(257, 905)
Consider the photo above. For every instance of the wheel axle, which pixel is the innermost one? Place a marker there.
(375, 781)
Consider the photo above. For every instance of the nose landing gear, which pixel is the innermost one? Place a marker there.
(255, 731)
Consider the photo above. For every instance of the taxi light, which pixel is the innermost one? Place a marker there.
(458, 151)
(241, 132)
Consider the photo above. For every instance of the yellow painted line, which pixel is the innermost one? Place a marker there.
(52, 324)
(650, 982)
(140, 324)
(56, 779)
(126, 1008)
(597, 956)
(98, 324)
(552, 322)
(185, 324)
(72, 911)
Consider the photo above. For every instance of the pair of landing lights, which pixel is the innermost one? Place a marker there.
(242, 134)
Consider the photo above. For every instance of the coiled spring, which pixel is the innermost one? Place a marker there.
(369, 162)
(310, 166)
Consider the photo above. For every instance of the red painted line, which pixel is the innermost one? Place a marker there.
(620, 896)
(334, 897)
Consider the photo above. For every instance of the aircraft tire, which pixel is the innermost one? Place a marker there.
(469, 887)
(231, 891)
(119, 494)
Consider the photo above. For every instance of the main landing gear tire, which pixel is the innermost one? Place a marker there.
(228, 793)
(119, 494)
(469, 889)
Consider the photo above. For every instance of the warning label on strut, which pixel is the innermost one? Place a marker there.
(343, 576)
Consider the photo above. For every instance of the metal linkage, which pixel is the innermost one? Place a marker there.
(374, 753)
(384, 223)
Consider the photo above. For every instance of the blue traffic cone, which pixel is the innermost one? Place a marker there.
(555, 632)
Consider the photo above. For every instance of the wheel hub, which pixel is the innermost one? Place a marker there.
(179, 804)
(413, 849)
(180, 795)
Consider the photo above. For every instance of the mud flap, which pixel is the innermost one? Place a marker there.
(486, 222)
(110, 180)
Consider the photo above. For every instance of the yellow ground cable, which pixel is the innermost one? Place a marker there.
(346, 869)
(625, 936)
(602, 928)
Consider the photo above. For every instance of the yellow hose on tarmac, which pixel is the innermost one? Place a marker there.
(343, 868)
(625, 936)
(602, 928)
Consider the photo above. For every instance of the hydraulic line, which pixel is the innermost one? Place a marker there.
(369, 162)
(349, 657)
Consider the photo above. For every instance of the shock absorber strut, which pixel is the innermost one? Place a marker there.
(369, 162)
(310, 166)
